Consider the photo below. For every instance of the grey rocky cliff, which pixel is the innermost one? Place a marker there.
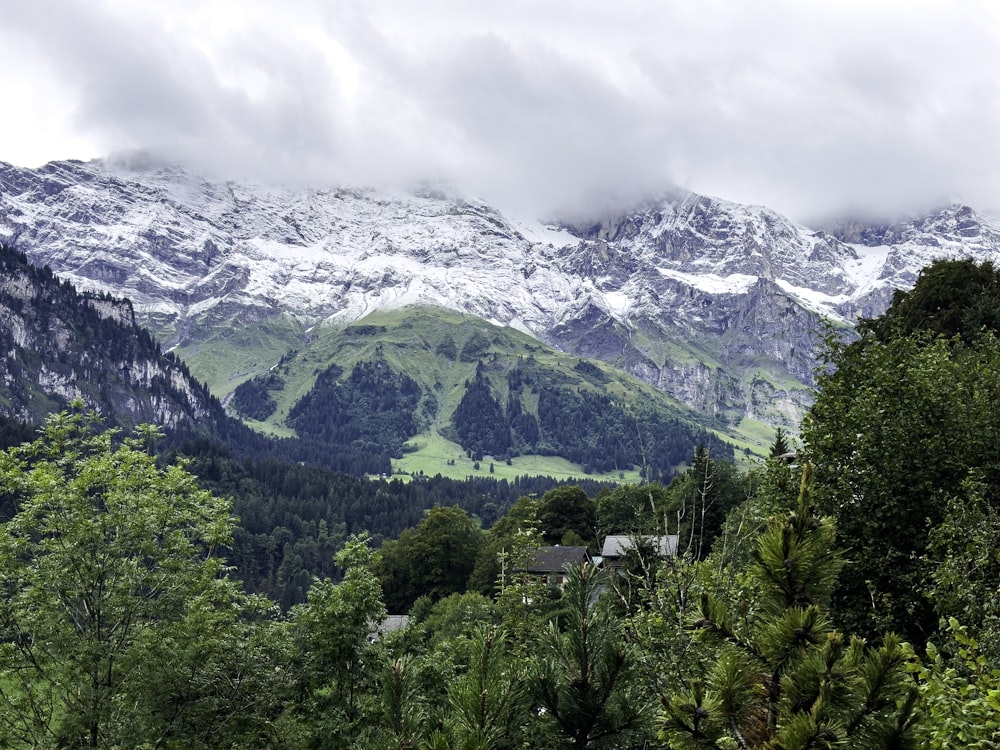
(57, 346)
(716, 303)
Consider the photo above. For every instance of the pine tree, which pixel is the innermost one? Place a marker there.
(588, 686)
(489, 702)
(780, 447)
(784, 678)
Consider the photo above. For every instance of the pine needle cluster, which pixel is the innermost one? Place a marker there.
(786, 678)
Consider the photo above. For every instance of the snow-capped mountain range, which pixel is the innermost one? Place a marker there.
(714, 302)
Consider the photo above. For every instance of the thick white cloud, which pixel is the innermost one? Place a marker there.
(811, 108)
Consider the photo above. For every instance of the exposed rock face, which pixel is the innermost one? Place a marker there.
(717, 303)
(57, 346)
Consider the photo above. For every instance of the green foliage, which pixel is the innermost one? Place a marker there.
(780, 446)
(475, 347)
(592, 372)
(657, 600)
(253, 398)
(782, 676)
(633, 509)
(374, 408)
(115, 601)
(950, 298)
(505, 535)
(587, 683)
(586, 426)
(566, 510)
(701, 498)
(479, 420)
(446, 348)
(334, 657)
(964, 551)
(959, 696)
(402, 716)
(902, 431)
(455, 616)
(217, 679)
(895, 432)
(434, 559)
(293, 517)
(593, 430)
(526, 602)
(489, 701)
(14, 432)
(726, 570)
(655, 431)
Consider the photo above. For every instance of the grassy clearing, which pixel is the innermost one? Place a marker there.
(227, 359)
(754, 436)
(412, 341)
(433, 453)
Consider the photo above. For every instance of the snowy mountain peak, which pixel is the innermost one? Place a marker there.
(712, 301)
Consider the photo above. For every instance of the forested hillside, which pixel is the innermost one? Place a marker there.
(374, 408)
(841, 595)
(551, 417)
(435, 386)
(294, 516)
(59, 345)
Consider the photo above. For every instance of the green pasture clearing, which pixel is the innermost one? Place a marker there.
(433, 452)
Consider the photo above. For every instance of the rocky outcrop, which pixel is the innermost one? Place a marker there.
(716, 303)
(57, 346)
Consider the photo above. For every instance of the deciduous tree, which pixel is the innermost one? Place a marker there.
(114, 599)
(434, 559)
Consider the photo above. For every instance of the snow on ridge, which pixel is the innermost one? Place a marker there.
(342, 248)
(736, 283)
(864, 272)
(824, 304)
(618, 304)
(538, 233)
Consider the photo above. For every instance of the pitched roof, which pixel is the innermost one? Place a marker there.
(618, 546)
(555, 559)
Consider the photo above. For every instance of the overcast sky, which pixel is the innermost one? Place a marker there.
(812, 107)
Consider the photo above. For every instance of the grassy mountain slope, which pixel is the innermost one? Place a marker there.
(444, 352)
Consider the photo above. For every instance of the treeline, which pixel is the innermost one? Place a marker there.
(375, 408)
(447, 553)
(588, 427)
(293, 515)
(252, 398)
(356, 425)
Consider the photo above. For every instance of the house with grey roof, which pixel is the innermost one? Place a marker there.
(616, 548)
(550, 563)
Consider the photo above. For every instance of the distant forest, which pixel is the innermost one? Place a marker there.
(587, 427)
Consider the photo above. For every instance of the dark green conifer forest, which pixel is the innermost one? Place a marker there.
(840, 593)
(587, 427)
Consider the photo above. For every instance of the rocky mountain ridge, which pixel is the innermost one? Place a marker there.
(718, 304)
(58, 346)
